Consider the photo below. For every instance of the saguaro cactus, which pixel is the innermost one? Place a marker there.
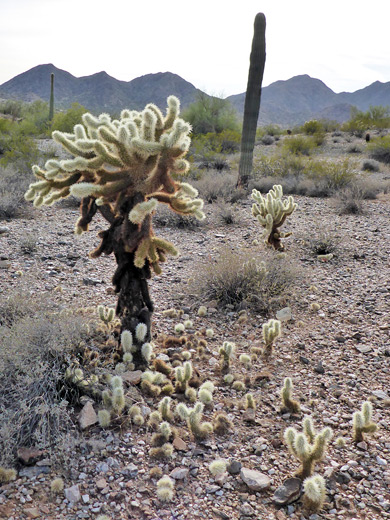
(271, 212)
(122, 168)
(252, 100)
(51, 106)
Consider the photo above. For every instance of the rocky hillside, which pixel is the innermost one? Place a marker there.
(285, 103)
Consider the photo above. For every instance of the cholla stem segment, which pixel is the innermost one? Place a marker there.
(271, 331)
(193, 416)
(362, 422)
(288, 403)
(309, 446)
(271, 212)
(314, 493)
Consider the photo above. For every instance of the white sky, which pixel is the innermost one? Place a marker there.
(345, 43)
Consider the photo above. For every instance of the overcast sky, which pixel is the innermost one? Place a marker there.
(345, 43)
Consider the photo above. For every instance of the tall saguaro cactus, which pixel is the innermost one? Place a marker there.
(122, 168)
(252, 100)
(51, 106)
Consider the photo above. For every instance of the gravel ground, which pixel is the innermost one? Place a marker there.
(338, 356)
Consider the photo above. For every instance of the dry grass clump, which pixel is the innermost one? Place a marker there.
(164, 217)
(234, 279)
(322, 241)
(218, 186)
(33, 399)
(13, 185)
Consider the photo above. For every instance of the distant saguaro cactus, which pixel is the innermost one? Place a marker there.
(122, 168)
(51, 106)
(252, 100)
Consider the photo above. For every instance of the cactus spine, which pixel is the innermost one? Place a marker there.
(362, 422)
(314, 493)
(271, 331)
(252, 100)
(309, 446)
(288, 403)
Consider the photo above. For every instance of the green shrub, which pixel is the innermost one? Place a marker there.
(335, 174)
(13, 185)
(379, 149)
(312, 127)
(298, 145)
(376, 117)
(211, 114)
(65, 121)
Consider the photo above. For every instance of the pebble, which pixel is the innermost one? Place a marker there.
(255, 480)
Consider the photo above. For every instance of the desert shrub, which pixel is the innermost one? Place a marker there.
(272, 130)
(34, 354)
(348, 201)
(235, 279)
(18, 149)
(330, 125)
(267, 140)
(370, 166)
(379, 149)
(298, 145)
(322, 241)
(278, 165)
(28, 243)
(13, 185)
(211, 114)
(312, 127)
(214, 186)
(334, 175)
(226, 212)
(164, 217)
(376, 117)
(354, 148)
(65, 121)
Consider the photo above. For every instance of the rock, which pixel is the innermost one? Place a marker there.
(133, 377)
(101, 483)
(4, 229)
(92, 281)
(380, 394)
(5, 264)
(72, 494)
(319, 368)
(247, 510)
(32, 512)
(29, 456)
(363, 349)
(362, 445)
(87, 416)
(234, 467)
(288, 492)
(179, 473)
(179, 444)
(131, 470)
(284, 314)
(249, 416)
(255, 480)
(34, 471)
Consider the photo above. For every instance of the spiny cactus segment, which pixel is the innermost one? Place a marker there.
(314, 489)
(271, 331)
(362, 422)
(271, 212)
(288, 403)
(193, 416)
(309, 446)
(226, 352)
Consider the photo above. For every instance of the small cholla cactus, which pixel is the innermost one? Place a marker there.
(271, 212)
(239, 386)
(288, 403)
(183, 375)
(314, 493)
(249, 402)
(165, 488)
(57, 485)
(209, 333)
(6, 475)
(106, 314)
(271, 331)
(226, 352)
(245, 360)
(136, 415)
(222, 424)
(202, 311)
(164, 408)
(309, 446)
(217, 467)
(179, 328)
(193, 416)
(362, 422)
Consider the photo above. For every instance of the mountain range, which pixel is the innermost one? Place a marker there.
(286, 103)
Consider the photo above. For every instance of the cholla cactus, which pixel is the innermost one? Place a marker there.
(165, 488)
(217, 467)
(164, 408)
(183, 375)
(271, 331)
(288, 403)
(309, 446)
(271, 212)
(122, 168)
(314, 493)
(227, 353)
(362, 422)
(193, 416)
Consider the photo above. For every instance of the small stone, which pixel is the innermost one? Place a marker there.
(304, 360)
(319, 368)
(87, 416)
(101, 483)
(255, 480)
(3, 230)
(249, 416)
(179, 444)
(29, 456)
(32, 512)
(362, 445)
(288, 492)
(102, 467)
(34, 471)
(234, 467)
(179, 473)
(4, 264)
(363, 349)
(380, 394)
(284, 314)
(247, 510)
(72, 494)
(133, 377)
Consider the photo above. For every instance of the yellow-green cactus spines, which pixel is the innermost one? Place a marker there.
(362, 422)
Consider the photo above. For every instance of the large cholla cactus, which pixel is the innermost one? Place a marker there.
(271, 212)
(123, 168)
